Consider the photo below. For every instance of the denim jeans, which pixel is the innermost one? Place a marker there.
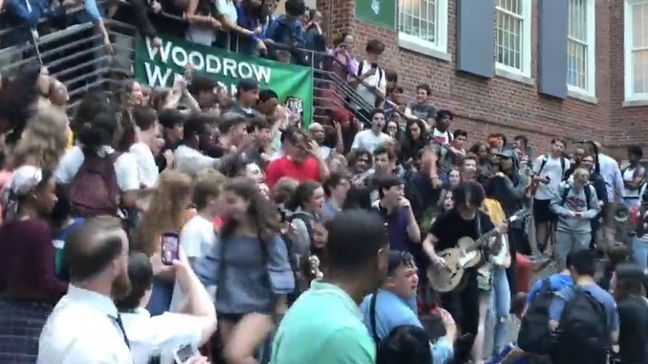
(500, 307)
(640, 252)
(567, 243)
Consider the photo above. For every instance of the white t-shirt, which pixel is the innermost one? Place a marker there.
(366, 139)
(197, 237)
(125, 168)
(628, 176)
(146, 167)
(441, 137)
(160, 335)
(552, 169)
(191, 161)
(228, 9)
(377, 80)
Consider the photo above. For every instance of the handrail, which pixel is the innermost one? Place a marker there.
(43, 19)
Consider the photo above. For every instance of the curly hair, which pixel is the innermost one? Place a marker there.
(165, 212)
(261, 212)
(44, 140)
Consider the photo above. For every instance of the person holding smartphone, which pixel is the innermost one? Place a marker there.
(170, 335)
(575, 205)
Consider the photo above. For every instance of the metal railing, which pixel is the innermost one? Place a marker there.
(76, 57)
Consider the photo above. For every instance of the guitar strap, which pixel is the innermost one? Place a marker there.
(478, 222)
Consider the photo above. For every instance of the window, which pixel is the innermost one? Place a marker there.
(636, 50)
(513, 36)
(423, 23)
(581, 38)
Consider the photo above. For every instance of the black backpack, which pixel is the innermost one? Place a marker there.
(583, 335)
(534, 336)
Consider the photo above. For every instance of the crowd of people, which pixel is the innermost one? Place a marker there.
(186, 225)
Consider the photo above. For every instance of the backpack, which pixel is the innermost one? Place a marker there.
(583, 335)
(534, 336)
(292, 258)
(94, 190)
(545, 159)
(588, 195)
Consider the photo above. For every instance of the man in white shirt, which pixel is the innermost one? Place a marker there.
(371, 139)
(198, 234)
(85, 326)
(634, 176)
(441, 132)
(371, 82)
(548, 172)
(188, 157)
(150, 143)
(161, 336)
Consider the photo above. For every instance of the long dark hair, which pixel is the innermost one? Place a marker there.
(303, 193)
(409, 146)
(261, 213)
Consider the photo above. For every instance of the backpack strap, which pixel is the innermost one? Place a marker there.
(372, 318)
(543, 163)
(588, 195)
(565, 194)
(306, 218)
(360, 68)
(563, 163)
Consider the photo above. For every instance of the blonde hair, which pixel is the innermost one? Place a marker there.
(44, 140)
(165, 212)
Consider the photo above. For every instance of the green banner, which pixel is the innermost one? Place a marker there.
(381, 13)
(159, 66)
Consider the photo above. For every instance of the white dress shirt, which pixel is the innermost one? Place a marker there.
(160, 335)
(611, 173)
(83, 329)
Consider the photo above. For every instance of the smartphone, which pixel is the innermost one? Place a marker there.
(183, 353)
(170, 242)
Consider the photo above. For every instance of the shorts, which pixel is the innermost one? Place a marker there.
(542, 213)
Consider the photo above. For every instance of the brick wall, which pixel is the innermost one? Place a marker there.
(501, 104)
(627, 124)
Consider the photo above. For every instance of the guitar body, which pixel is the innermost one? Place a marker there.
(465, 255)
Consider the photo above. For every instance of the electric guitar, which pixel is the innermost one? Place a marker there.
(467, 254)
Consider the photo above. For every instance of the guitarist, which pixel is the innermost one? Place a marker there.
(465, 219)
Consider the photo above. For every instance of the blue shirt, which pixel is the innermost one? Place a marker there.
(18, 12)
(287, 32)
(248, 21)
(562, 297)
(557, 283)
(393, 311)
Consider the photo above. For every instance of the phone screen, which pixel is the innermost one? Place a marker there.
(184, 353)
(169, 248)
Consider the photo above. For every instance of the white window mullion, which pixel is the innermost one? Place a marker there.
(636, 50)
(581, 43)
(423, 24)
(513, 36)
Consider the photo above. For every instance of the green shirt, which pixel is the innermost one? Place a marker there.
(324, 326)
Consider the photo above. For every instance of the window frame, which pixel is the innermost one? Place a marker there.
(591, 52)
(525, 49)
(628, 37)
(438, 49)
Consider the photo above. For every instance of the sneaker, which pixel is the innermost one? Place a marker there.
(501, 355)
